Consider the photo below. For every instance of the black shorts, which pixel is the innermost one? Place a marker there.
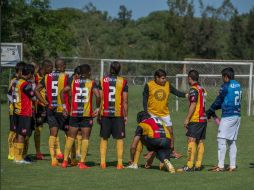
(40, 115)
(23, 125)
(196, 130)
(112, 126)
(56, 119)
(12, 126)
(81, 122)
(161, 146)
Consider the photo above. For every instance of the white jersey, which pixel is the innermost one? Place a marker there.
(229, 127)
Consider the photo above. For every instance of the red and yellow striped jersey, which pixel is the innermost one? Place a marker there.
(82, 97)
(154, 128)
(157, 103)
(22, 103)
(54, 83)
(113, 88)
(13, 80)
(38, 79)
(197, 94)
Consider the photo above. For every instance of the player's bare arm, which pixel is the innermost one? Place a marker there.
(37, 90)
(62, 93)
(190, 113)
(96, 92)
(125, 106)
(133, 148)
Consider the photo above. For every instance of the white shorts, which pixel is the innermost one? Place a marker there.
(228, 128)
(165, 119)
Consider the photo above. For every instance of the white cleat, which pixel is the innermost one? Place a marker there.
(22, 162)
(133, 166)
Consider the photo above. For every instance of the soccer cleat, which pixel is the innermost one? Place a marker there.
(103, 166)
(198, 168)
(54, 163)
(119, 166)
(10, 157)
(28, 159)
(161, 166)
(133, 166)
(39, 156)
(22, 162)
(60, 156)
(216, 169)
(185, 169)
(169, 166)
(229, 169)
(64, 164)
(82, 165)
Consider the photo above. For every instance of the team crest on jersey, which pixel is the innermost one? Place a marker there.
(160, 95)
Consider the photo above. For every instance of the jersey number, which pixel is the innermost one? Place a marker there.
(55, 88)
(238, 97)
(111, 94)
(81, 95)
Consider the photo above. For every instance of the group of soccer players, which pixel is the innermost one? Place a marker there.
(39, 95)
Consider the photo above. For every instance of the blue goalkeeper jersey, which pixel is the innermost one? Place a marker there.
(229, 99)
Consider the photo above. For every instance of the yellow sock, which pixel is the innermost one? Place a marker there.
(84, 148)
(200, 153)
(11, 138)
(26, 145)
(192, 148)
(119, 147)
(19, 151)
(37, 139)
(103, 150)
(57, 146)
(78, 144)
(52, 142)
(138, 152)
(68, 146)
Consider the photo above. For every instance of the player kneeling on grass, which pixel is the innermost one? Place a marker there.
(195, 123)
(229, 101)
(23, 96)
(82, 89)
(152, 133)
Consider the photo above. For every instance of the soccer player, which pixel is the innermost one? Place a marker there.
(229, 101)
(54, 83)
(23, 95)
(155, 101)
(45, 68)
(153, 133)
(12, 134)
(195, 123)
(113, 113)
(82, 89)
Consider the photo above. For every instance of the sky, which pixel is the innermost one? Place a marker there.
(141, 8)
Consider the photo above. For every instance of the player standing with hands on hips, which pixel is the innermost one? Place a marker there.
(229, 101)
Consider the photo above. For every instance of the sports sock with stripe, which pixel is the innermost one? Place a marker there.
(11, 138)
(103, 150)
(119, 149)
(200, 154)
(84, 148)
(52, 142)
(68, 146)
(192, 148)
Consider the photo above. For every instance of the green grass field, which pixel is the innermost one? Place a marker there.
(40, 175)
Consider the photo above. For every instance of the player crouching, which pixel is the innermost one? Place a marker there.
(152, 133)
(81, 113)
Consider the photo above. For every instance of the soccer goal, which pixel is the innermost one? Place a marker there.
(138, 72)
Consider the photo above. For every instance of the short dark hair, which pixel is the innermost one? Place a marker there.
(115, 68)
(19, 66)
(194, 75)
(142, 115)
(160, 73)
(229, 72)
(85, 69)
(77, 70)
(28, 69)
(46, 62)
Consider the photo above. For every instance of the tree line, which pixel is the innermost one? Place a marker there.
(175, 34)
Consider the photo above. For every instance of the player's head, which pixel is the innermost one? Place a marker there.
(76, 71)
(193, 77)
(115, 68)
(85, 71)
(18, 68)
(28, 71)
(160, 77)
(228, 74)
(143, 115)
(60, 65)
(47, 66)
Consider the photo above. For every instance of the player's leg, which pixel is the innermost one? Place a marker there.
(134, 163)
(11, 138)
(232, 154)
(78, 141)
(86, 129)
(118, 133)
(222, 149)
(105, 132)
